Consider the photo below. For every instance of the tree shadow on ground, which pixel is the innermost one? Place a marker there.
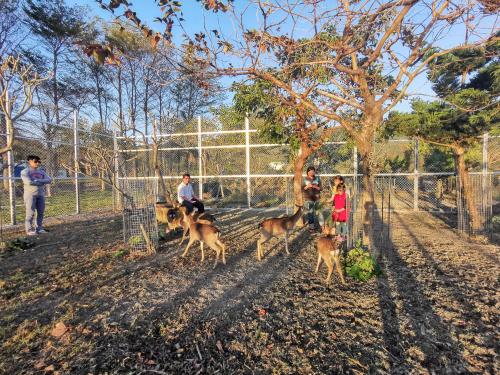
(403, 300)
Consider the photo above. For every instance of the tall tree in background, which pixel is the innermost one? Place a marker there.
(469, 107)
(56, 27)
(373, 51)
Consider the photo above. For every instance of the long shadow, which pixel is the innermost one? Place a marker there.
(44, 307)
(430, 334)
(459, 293)
(227, 309)
(260, 276)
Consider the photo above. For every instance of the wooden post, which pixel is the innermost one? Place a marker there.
(415, 178)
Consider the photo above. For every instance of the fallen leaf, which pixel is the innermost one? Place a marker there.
(59, 330)
(50, 368)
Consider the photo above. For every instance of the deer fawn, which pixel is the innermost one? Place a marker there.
(275, 227)
(329, 251)
(205, 233)
(202, 218)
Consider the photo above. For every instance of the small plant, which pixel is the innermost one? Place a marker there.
(360, 265)
(120, 253)
(495, 221)
(136, 240)
(20, 244)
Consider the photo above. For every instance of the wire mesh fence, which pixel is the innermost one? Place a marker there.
(233, 165)
(73, 154)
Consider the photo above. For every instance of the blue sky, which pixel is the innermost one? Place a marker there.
(147, 10)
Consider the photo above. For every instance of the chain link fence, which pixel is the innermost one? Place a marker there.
(73, 154)
(234, 166)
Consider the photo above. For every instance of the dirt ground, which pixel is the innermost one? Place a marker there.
(75, 303)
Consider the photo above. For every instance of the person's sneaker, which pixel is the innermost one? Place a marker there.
(31, 233)
(42, 231)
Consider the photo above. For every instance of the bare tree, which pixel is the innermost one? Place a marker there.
(17, 85)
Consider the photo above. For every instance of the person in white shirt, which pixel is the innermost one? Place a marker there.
(186, 197)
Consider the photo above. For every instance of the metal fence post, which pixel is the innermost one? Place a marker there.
(485, 188)
(247, 153)
(116, 199)
(76, 159)
(415, 178)
(200, 158)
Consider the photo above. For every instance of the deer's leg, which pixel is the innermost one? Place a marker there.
(339, 269)
(202, 252)
(191, 240)
(184, 232)
(223, 247)
(329, 264)
(217, 249)
(319, 262)
(286, 242)
(263, 238)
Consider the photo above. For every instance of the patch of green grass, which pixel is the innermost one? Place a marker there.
(120, 253)
(61, 204)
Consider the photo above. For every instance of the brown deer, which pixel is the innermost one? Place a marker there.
(205, 233)
(202, 218)
(329, 251)
(169, 215)
(275, 227)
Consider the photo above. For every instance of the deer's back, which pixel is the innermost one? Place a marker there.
(274, 226)
(204, 231)
(328, 244)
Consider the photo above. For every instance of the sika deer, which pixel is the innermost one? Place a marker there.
(275, 227)
(329, 251)
(202, 218)
(205, 233)
(169, 215)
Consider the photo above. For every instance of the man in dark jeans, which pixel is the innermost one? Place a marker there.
(186, 197)
(312, 190)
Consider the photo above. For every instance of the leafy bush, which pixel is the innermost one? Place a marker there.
(360, 265)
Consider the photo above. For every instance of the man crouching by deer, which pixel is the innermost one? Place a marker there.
(275, 227)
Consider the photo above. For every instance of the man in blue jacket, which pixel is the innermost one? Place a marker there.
(34, 180)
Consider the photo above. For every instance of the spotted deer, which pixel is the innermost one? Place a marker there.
(205, 233)
(202, 218)
(275, 227)
(329, 250)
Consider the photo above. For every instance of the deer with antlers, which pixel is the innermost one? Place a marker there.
(275, 227)
(205, 233)
(329, 250)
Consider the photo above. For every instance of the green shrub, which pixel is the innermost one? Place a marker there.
(136, 240)
(360, 265)
(495, 221)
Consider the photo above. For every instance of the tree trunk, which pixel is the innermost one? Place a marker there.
(298, 170)
(120, 103)
(367, 204)
(368, 201)
(466, 189)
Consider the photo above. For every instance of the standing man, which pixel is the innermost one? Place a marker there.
(34, 180)
(186, 197)
(312, 191)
